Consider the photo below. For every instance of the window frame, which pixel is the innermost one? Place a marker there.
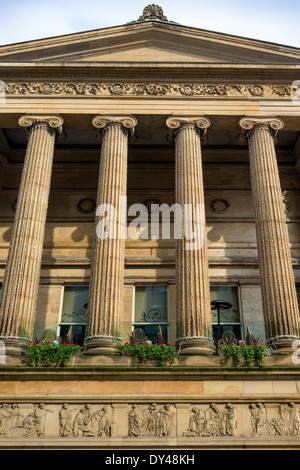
(241, 322)
(149, 284)
(60, 323)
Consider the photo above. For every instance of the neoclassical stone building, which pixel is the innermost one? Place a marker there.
(156, 115)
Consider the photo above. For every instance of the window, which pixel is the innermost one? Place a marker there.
(229, 321)
(151, 313)
(73, 314)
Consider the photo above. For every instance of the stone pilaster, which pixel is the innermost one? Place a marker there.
(192, 279)
(280, 305)
(107, 269)
(21, 280)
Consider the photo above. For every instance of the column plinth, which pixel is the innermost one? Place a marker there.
(107, 267)
(194, 330)
(21, 280)
(280, 306)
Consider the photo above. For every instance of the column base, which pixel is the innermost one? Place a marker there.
(101, 346)
(10, 347)
(196, 346)
(285, 344)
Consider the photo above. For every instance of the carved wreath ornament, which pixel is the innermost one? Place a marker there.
(146, 89)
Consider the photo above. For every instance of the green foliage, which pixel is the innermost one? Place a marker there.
(50, 354)
(249, 355)
(160, 354)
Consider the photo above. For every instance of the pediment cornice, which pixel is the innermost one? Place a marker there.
(154, 40)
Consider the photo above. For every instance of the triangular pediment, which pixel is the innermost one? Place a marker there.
(149, 42)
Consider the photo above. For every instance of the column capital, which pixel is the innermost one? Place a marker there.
(128, 121)
(274, 123)
(175, 122)
(53, 121)
(249, 123)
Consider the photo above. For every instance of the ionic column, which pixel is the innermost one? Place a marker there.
(193, 296)
(21, 280)
(280, 305)
(107, 268)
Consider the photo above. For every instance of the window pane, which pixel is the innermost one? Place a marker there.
(230, 294)
(75, 304)
(151, 333)
(151, 304)
(228, 332)
(72, 334)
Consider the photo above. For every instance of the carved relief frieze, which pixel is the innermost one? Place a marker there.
(147, 89)
(212, 421)
(151, 420)
(155, 421)
(275, 420)
(14, 423)
(84, 422)
(266, 419)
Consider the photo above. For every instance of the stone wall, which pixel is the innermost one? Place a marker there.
(161, 413)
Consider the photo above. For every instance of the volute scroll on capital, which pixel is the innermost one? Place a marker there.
(128, 121)
(53, 122)
(248, 124)
(174, 123)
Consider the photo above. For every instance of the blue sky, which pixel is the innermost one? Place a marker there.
(269, 20)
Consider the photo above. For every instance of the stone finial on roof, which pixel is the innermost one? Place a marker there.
(153, 12)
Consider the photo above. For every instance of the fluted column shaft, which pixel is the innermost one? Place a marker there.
(280, 304)
(21, 280)
(192, 278)
(107, 269)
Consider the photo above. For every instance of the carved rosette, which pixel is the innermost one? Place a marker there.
(193, 298)
(277, 279)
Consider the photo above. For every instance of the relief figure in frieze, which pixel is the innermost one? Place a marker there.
(153, 421)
